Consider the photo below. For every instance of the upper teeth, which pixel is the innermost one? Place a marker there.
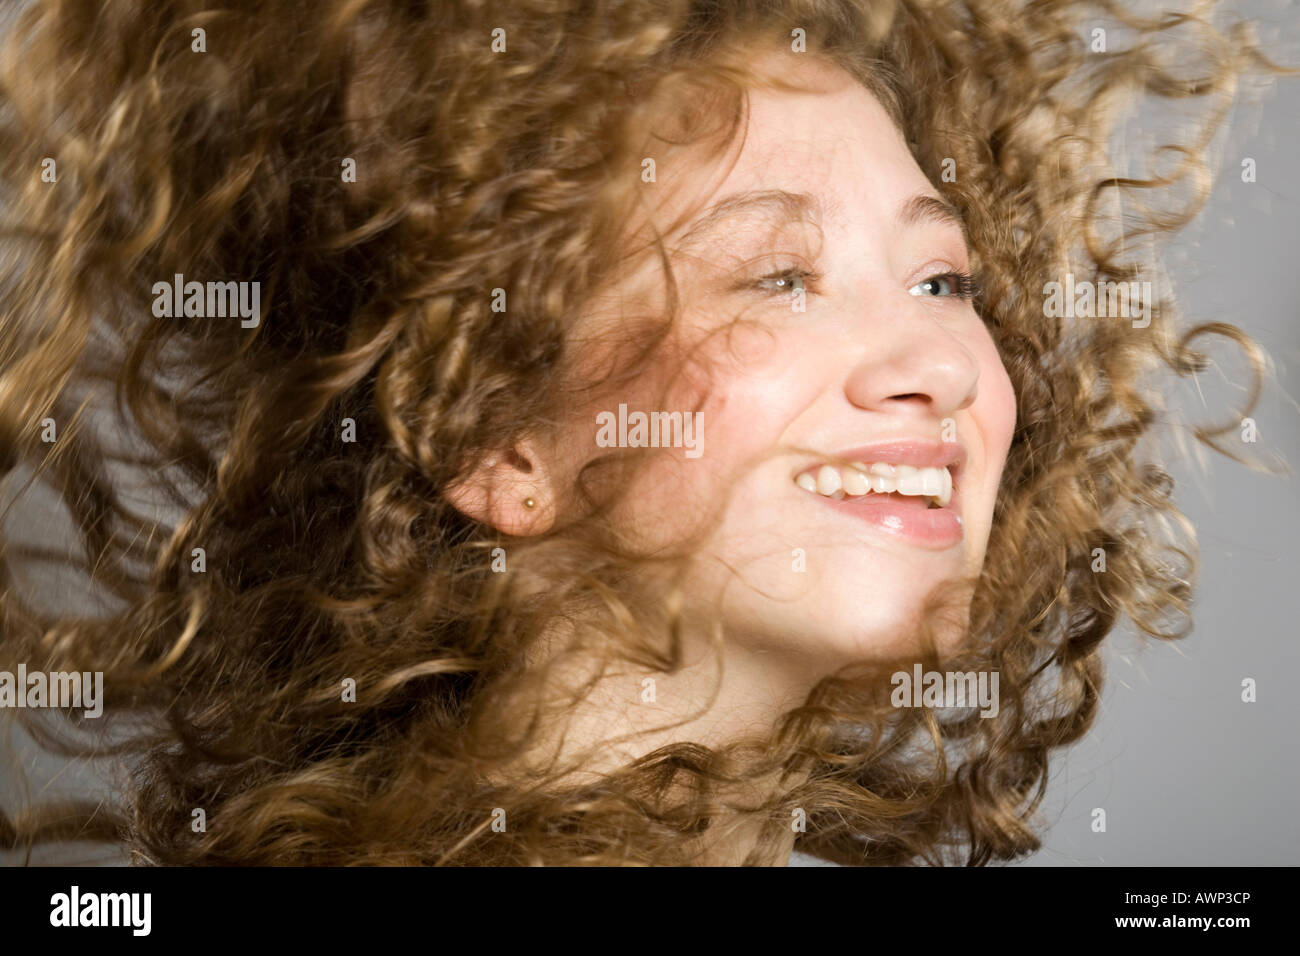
(879, 477)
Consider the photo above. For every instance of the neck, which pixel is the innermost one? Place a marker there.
(626, 714)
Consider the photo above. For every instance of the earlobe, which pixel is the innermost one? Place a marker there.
(509, 491)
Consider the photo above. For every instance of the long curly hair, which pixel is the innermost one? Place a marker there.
(290, 537)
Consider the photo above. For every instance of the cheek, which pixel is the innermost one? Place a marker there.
(746, 391)
(751, 382)
(1000, 411)
(995, 418)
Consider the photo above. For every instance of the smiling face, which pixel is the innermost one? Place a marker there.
(823, 309)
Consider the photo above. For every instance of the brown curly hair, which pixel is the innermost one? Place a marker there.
(323, 559)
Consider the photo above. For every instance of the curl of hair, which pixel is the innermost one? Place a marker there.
(323, 560)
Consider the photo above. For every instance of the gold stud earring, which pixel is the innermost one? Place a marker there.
(530, 504)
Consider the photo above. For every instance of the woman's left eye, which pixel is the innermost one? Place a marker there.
(949, 285)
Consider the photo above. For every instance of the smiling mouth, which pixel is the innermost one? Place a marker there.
(933, 486)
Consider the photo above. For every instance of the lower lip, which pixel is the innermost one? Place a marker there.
(907, 518)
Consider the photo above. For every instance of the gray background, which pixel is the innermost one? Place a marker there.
(1186, 772)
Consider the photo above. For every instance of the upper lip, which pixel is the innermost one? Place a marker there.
(918, 452)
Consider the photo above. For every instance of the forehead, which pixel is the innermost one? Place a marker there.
(833, 144)
(840, 133)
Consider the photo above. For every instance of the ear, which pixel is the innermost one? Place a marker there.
(497, 490)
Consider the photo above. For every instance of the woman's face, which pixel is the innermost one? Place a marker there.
(884, 353)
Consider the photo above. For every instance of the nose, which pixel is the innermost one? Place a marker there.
(912, 361)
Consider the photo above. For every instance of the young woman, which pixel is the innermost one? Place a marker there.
(598, 433)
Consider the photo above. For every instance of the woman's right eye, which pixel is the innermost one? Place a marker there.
(785, 282)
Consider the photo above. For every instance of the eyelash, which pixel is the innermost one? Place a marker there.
(967, 285)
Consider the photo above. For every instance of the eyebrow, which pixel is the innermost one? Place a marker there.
(925, 208)
(783, 206)
(777, 204)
